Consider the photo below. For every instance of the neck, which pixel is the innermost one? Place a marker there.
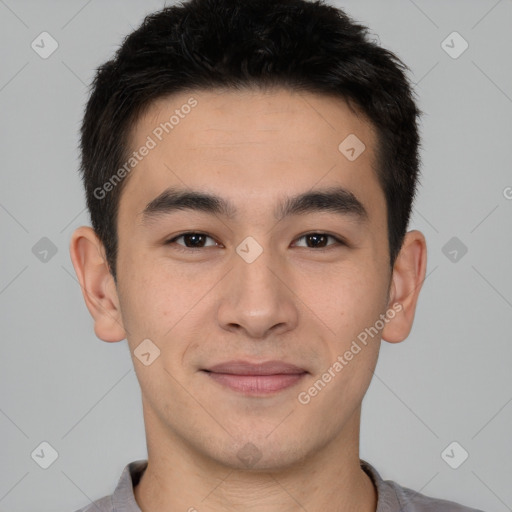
(178, 477)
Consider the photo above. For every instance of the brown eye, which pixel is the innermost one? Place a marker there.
(192, 240)
(319, 240)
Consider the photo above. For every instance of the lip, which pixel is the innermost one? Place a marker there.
(240, 367)
(256, 379)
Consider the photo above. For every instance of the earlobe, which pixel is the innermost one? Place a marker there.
(408, 276)
(97, 284)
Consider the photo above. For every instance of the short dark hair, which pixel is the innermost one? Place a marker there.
(233, 44)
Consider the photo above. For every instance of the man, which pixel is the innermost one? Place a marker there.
(250, 169)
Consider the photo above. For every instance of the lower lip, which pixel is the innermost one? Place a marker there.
(256, 384)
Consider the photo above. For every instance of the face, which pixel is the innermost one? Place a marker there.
(269, 277)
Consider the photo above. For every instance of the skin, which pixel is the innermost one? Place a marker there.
(296, 302)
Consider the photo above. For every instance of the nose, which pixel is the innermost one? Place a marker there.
(258, 299)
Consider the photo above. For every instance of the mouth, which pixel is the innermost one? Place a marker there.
(259, 379)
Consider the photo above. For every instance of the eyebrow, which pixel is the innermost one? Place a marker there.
(336, 200)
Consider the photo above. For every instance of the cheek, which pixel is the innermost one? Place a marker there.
(145, 297)
(351, 309)
(347, 296)
(160, 301)
(355, 305)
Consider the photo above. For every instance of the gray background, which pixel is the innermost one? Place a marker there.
(450, 381)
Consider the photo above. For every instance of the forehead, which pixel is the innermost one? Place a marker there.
(252, 145)
(218, 115)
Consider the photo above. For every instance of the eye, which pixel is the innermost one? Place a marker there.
(192, 240)
(319, 240)
(195, 240)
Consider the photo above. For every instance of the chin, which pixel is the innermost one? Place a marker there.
(259, 453)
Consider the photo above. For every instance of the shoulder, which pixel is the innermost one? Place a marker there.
(104, 504)
(392, 497)
(413, 501)
(122, 498)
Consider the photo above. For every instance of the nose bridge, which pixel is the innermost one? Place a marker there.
(256, 285)
(257, 298)
(255, 275)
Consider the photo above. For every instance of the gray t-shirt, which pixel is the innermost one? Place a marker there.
(391, 497)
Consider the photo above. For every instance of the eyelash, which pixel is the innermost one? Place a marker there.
(339, 241)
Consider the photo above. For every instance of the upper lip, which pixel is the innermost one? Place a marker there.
(240, 367)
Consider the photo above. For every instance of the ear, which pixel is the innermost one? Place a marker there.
(97, 283)
(408, 276)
